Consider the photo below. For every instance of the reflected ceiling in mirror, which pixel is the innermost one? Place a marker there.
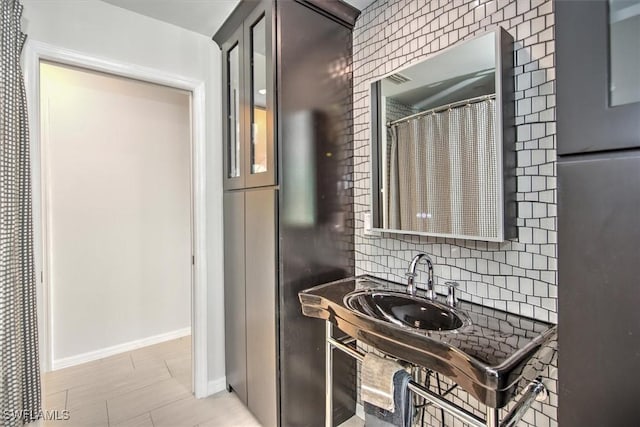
(438, 133)
(457, 74)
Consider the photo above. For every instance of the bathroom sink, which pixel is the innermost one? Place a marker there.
(484, 350)
(405, 310)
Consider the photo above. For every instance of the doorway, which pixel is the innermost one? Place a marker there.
(117, 203)
(118, 212)
(35, 52)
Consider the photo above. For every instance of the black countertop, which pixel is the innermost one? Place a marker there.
(486, 357)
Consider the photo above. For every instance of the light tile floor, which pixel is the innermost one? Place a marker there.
(353, 422)
(149, 387)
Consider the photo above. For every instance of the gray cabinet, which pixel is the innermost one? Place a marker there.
(584, 79)
(250, 300)
(234, 293)
(250, 214)
(261, 302)
(598, 225)
(598, 293)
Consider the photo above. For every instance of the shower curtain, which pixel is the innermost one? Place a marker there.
(19, 364)
(443, 172)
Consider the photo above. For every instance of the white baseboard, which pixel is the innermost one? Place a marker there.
(120, 348)
(360, 411)
(216, 386)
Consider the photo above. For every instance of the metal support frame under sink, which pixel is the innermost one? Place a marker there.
(535, 390)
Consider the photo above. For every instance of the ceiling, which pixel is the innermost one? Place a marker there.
(202, 16)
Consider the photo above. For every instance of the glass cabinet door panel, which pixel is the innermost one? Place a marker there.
(259, 150)
(624, 57)
(233, 107)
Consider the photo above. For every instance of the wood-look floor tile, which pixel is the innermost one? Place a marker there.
(137, 389)
(131, 404)
(116, 386)
(173, 348)
(155, 355)
(180, 369)
(143, 420)
(88, 373)
(91, 415)
(186, 412)
(229, 412)
(353, 422)
(191, 411)
(55, 401)
(94, 414)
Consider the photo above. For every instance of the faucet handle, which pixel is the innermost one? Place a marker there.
(452, 301)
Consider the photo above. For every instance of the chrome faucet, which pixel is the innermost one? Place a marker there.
(411, 275)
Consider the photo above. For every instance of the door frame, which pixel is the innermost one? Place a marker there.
(36, 51)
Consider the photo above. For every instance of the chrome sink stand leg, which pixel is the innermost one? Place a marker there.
(328, 376)
(493, 417)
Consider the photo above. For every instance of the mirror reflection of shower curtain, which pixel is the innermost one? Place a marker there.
(443, 172)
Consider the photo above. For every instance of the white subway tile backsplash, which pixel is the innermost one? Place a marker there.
(524, 30)
(538, 103)
(525, 210)
(506, 270)
(493, 268)
(540, 262)
(524, 184)
(549, 303)
(530, 14)
(539, 236)
(546, 35)
(538, 24)
(526, 310)
(524, 158)
(519, 275)
(546, 170)
(547, 115)
(526, 260)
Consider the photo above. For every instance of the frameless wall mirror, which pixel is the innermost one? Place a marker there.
(442, 143)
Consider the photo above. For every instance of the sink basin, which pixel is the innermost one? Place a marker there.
(405, 310)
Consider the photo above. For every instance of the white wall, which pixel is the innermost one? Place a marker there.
(99, 29)
(118, 183)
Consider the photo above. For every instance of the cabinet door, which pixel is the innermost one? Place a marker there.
(234, 293)
(260, 270)
(258, 76)
(598, 52)
(599, 292)
(233, 111)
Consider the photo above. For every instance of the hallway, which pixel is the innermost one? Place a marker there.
(148, 387)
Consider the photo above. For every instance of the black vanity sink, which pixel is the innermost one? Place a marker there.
(486, 351)
(405, 310)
